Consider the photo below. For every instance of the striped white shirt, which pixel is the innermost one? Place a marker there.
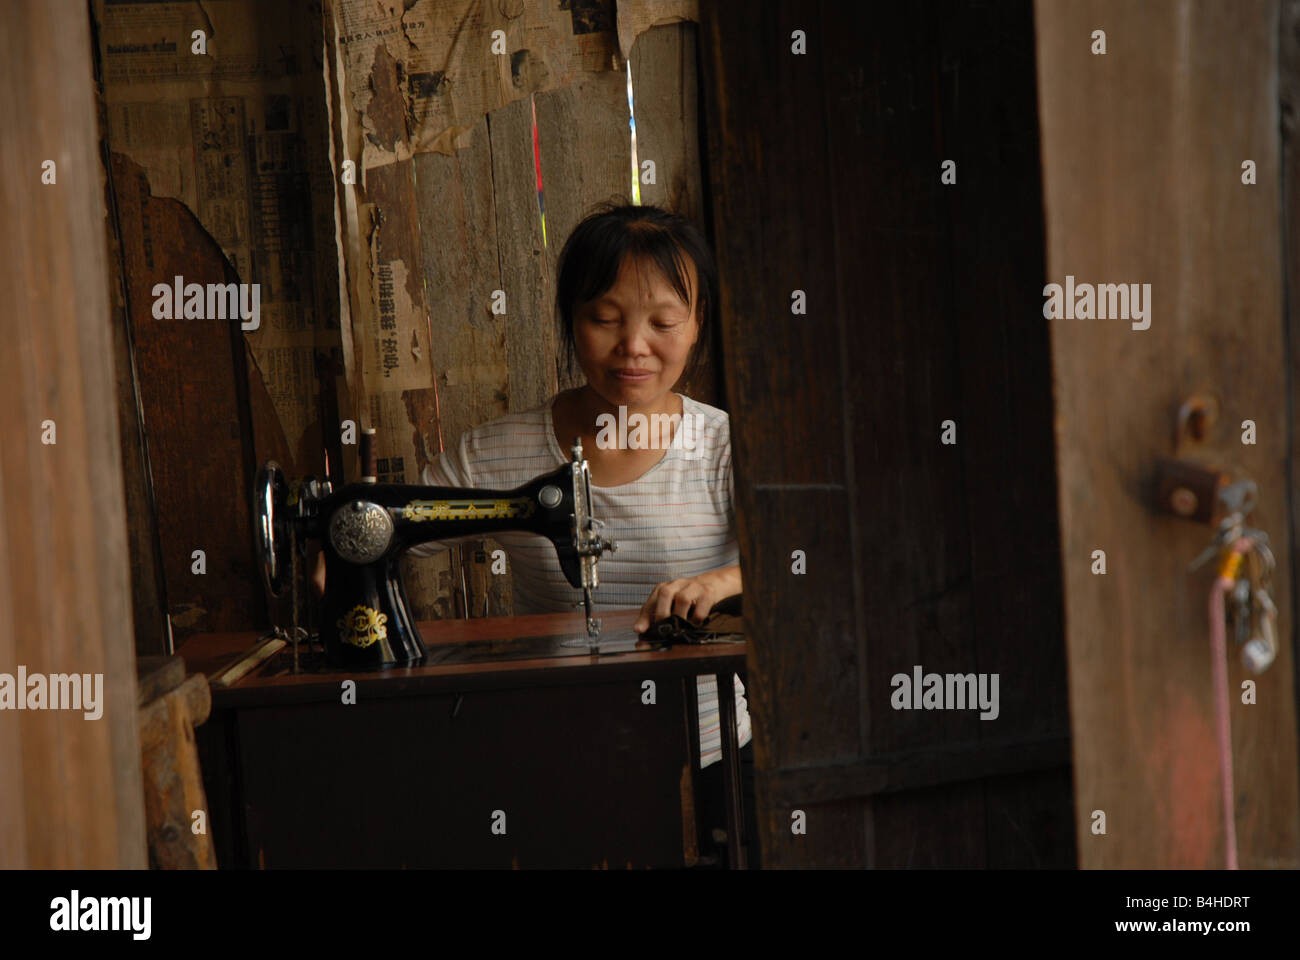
(676, 520)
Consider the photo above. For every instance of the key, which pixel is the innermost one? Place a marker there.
(1229, 530)
(1241, 611)
(1258, 654)
(1239, 498)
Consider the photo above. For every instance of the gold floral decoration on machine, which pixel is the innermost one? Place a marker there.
(362, 626)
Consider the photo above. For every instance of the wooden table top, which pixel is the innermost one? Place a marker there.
(271, 682)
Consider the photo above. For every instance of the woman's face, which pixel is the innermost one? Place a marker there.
(633, 341)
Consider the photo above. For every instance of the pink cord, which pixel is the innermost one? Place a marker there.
(1219, 651)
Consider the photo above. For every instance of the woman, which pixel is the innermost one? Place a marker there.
(636, 295)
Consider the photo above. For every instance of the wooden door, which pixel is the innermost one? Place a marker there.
(921, 304)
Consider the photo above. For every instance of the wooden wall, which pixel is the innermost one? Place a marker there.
(70, 795)
(466, 215)
(923, 305)
(1142, 163)
(218, 171)
(223, 167)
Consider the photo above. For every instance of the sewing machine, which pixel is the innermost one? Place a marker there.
(365, 527)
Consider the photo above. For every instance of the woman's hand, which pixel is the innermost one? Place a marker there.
(691, 598)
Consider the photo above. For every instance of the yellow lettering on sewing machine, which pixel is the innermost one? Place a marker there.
(516, 508)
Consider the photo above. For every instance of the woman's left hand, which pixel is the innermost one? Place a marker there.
(691, 598)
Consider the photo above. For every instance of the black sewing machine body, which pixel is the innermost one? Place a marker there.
(365, 528)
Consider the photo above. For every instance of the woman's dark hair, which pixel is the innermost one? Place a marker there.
(589, 263)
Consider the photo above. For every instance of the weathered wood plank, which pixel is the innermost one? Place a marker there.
(780, 387)
(406, 417)
(989, 126)
(529, 324)
(913, 768)
(803, 631)
(156, 675)
(148, 599)
(196, 414)
(462, 269)
(586, 156)
(458, 241)
(1142, 162)
(173, 784)
(71, 794)
(757, 143)
(1289, 107)
(835, 835)
(665, 96)
(942, 827)
(826, 177)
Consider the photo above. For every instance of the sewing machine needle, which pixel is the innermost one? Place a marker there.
(593, 626)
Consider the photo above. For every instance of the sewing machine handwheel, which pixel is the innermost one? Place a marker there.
(271, 527)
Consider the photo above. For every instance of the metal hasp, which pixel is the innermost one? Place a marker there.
(366, 527)
(1202, 490)
(1189, 487)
